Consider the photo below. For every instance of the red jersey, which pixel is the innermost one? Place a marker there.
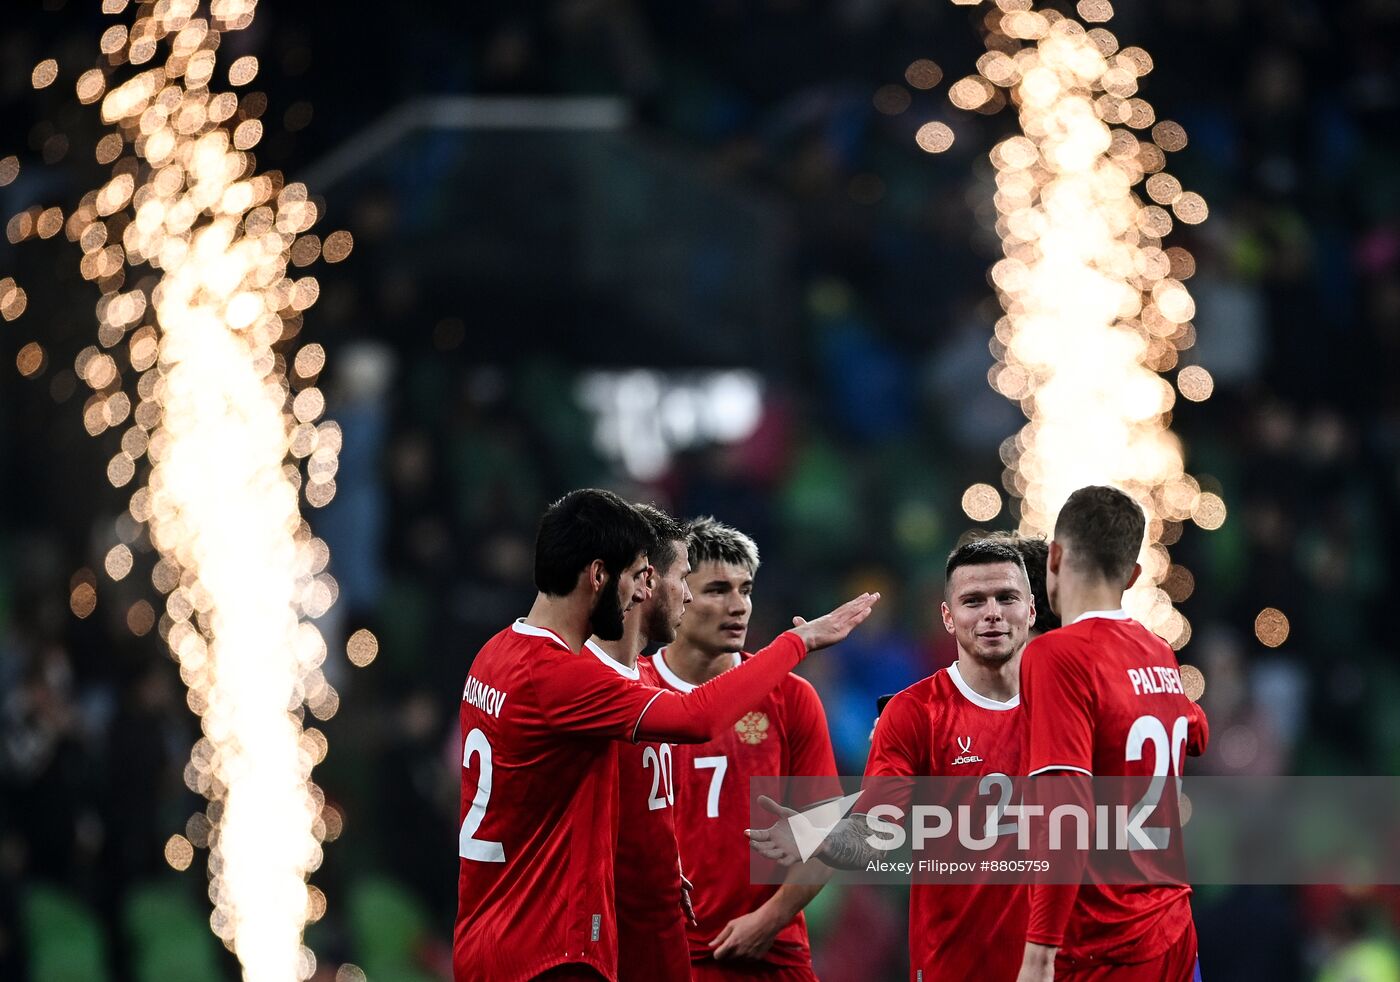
(941, 727)
(783, 735)
(1103, 696)
(540, 798)
(651, 939)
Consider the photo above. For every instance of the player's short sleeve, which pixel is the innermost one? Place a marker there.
(899, 752)
(1057, 696)
(807, 735)
(579, 694)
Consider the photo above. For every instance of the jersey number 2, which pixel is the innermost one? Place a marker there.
(468, 846)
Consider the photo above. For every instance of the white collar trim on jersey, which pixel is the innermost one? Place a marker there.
(975, 697)
(674, 680)
(520, 627)
(632, 673)
(1113, 615)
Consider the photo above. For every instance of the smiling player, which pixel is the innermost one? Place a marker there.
(963, 721)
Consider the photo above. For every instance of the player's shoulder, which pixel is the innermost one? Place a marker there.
(667, 678)
(521, 635)
(909, 716)
(921, 695)
(632, 673)
(528, 652)
(502, 649)
(1073, 641)
(1121, 634)
(647, 673)
(794, 686)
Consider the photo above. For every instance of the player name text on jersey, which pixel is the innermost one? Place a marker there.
(483, 697)
(1155, 679)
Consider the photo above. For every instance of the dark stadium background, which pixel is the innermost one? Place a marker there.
(732, 199)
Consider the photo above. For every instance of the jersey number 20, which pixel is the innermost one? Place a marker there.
(1166, 758)
(659, 762)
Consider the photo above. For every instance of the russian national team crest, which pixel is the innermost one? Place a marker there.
(753, 728)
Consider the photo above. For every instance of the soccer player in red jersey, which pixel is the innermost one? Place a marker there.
(1103, 696)
(963, 721)
(741, 929)
(539, 772)
(651, 899)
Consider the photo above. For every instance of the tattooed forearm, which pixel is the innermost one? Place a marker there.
(848, 846)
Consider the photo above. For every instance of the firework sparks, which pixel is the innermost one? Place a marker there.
(223, 425)
(1095, 307)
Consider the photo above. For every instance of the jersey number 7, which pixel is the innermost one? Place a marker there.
(720, 764)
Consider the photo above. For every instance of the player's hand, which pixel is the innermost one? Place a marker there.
(687, 888)
(749, 936)
(775, 842)
(832, 628)
(1038, 964)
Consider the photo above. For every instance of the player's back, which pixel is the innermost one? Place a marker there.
(784, 735)
(651, 938)
(1124, 712)
(940, 727)
(539, 813)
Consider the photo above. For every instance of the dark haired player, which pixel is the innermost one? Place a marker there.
(651, 896)
(962, 721)
(1103, 696)
(741, 929)
(539, 778)
(1034, 550)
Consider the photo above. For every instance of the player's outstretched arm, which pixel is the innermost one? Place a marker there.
(699, 715)
(846, 846)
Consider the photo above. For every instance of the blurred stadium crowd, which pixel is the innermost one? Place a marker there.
(463, 415)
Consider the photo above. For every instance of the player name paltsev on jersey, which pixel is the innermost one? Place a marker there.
(1155, 679)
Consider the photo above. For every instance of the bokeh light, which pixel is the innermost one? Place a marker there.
(1271, 627)
(1209, 512)
(44, 73)
(1193, 681)
(362, 648)
(119, 561)
(1195, 383)
(140, 618)
(891, 99)
(179, 853)
(1095, 309)
(923, 74)
(934, 137)
(981, 502)
(83, 600)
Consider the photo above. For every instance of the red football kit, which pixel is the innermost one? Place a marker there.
(540, 793)
(941, 727)
(1103, 697)
(784, 735)
(651, 939)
